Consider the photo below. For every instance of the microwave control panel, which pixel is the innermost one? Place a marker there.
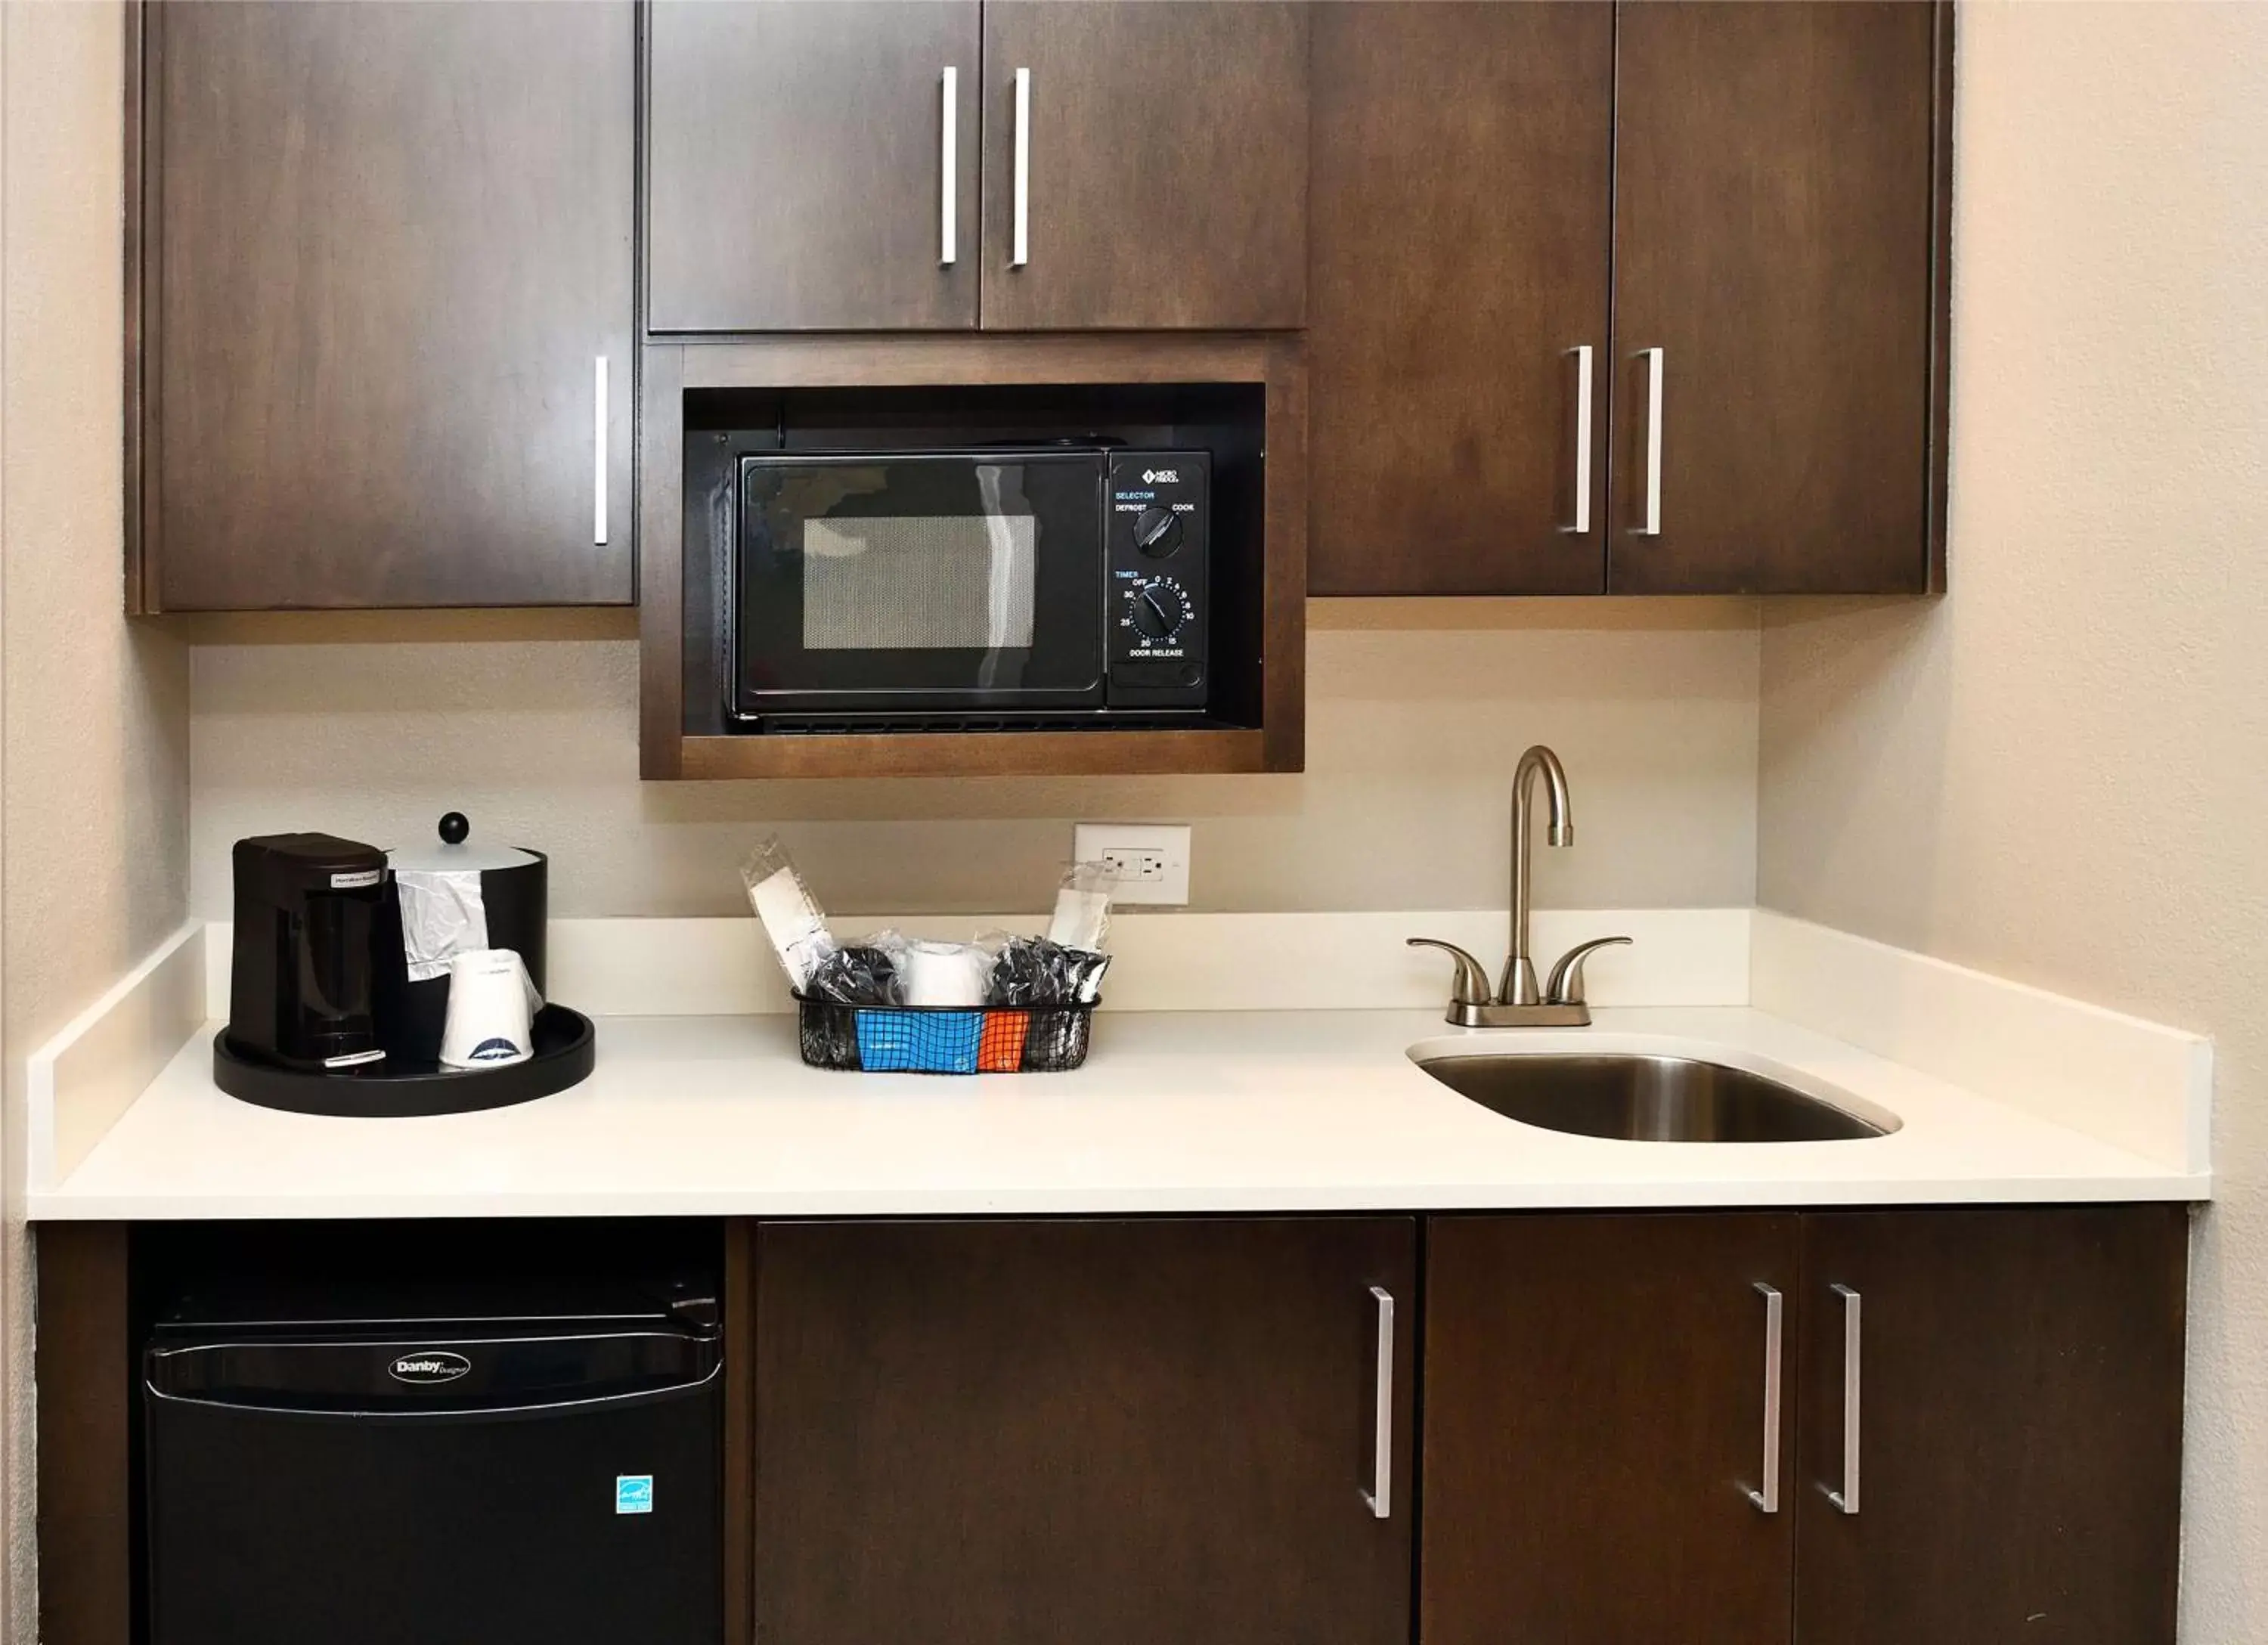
(1156, 542)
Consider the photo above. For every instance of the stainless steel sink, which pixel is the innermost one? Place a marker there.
(1647, 1098)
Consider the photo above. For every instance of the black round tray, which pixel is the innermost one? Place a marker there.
(564, 1052)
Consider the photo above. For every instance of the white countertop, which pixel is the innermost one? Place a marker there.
(1317, 1111)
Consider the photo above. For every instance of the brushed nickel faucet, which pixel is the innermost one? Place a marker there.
(1519, 1002)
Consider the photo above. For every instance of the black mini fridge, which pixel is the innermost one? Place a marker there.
(446, 1464)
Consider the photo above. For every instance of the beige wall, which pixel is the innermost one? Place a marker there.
(1413, 730)
(94, 735)
(2060, 772)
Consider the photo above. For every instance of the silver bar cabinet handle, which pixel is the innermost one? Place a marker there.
(1768, 1498)
(1652, 525)
(1847, 1498)
(948, 156)
(1582, 526)
(1020, 252)
(1380, 1496)
(599, 455)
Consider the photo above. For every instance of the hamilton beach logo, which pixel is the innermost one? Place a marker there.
(1161, 477)
(434, 1365)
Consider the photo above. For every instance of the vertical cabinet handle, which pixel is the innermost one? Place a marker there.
(1847, 1498)
(948, 163)
(1651, 525)
(1768, 1498)
(599, 455)
(1020, 253)
(1582, 526)
(1380, 1495)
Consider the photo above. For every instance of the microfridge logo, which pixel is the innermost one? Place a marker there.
(1161, 477)
(433, 1366)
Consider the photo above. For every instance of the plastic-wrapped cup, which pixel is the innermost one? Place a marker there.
(491, 1007)
(945, 974)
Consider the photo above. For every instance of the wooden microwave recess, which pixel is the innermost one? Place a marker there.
(1382, 1429)
(1438, 233)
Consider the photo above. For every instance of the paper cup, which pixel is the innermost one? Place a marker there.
(491, 1004)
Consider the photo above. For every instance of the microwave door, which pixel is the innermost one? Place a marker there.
(918, 583)
(1011, 547)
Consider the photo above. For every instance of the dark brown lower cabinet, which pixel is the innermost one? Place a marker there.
(1163, 1431)
(2017, 1463)
(1596, 1419)
(1111, 1432)
(83, 1379)
(2004, 1467)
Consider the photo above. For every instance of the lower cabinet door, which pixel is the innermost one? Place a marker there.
(1607, 1412)
(1112, 1432)
(1991, 1434)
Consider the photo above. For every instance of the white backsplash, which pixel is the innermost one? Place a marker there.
(357, 728)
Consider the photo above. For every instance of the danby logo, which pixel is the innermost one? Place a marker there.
(432, 1366)
(1161, 477)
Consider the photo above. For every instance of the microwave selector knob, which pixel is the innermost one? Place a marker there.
(1157, 532)
(1159, 609)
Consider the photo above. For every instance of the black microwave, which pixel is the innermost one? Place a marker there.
(992, 586)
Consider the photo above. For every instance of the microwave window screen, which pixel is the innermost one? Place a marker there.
(936, 582)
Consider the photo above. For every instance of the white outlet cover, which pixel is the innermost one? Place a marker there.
(1091, 841)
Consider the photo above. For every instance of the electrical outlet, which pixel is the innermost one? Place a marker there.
(1151, 860)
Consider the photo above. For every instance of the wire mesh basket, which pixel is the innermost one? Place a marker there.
(943, 1039)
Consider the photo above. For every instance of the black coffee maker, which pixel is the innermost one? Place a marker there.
(302, 977)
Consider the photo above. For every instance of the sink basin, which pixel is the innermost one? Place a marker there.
(1647, 1098)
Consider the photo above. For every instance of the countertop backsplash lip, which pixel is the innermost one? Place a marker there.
(2138, 1084)
(1162, 961)
(2136, 1098)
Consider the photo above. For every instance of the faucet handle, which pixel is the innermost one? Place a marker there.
(1565, 986)
(1471, 986)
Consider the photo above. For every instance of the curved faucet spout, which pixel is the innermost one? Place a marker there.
(1519, 987)
(1559, 830)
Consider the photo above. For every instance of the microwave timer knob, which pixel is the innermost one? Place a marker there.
(1157, 532)
(1157, 609)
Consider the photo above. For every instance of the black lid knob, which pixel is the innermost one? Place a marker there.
(454, 828)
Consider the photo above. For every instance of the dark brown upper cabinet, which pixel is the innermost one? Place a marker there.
(384, 299)
(1738, 211)
(812, 166)
(1457, 347)
(1776, 206)
(1602, 1396)
(1114, 165)
(1991, 1426)
(1146, 167)
(1120, 1433)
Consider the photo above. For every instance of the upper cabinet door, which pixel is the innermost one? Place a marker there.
(1774, 286)
(1458, 298)
(1145, 166)
(812, 166)
(1117, 1433)
(388, 288)
(1603, 1397)
(1992, 1430)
